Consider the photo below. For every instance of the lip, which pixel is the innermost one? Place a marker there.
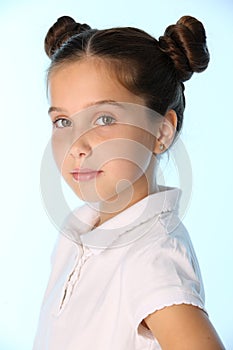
(84, 174)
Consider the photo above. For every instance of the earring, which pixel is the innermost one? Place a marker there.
(161, 147)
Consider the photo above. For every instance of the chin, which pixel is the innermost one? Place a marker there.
(87, 195)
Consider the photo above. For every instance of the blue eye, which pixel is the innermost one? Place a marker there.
(105, 120)
(62, 123)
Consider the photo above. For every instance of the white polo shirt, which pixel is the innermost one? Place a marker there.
(106, 280)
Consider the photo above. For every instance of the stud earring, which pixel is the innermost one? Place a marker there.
(161, 147)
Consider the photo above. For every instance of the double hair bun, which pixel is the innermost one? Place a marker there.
(184, 42)
(60, 32)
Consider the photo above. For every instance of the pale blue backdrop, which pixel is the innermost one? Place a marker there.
(27, 234)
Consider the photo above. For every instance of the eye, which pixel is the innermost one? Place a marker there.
(62, 123)
(105, 120)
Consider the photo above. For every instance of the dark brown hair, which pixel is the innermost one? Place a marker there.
(153, 69)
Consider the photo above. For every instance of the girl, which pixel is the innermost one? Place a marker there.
(124, 272)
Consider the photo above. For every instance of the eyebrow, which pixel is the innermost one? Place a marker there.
(97, 103)
(55, 109)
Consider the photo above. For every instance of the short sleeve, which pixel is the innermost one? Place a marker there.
(165, 273)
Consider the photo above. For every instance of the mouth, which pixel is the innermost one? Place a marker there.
(84, 174)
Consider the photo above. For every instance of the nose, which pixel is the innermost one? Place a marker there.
(80, 149)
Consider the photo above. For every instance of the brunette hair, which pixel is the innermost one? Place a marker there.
(153, 69)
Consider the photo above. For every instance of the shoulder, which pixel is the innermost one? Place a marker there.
(166, 240)
(162, 270)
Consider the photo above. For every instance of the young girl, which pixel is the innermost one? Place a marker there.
(124, 272)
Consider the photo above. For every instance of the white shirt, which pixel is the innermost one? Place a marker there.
(105, 281)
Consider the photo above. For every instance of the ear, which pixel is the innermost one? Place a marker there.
(166, 132)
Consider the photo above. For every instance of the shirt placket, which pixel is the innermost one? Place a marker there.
(74, 276)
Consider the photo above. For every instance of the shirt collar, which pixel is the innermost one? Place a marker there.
(122, 228)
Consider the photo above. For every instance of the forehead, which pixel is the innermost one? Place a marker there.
(75, 85)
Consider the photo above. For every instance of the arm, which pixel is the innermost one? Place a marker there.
(183, 327)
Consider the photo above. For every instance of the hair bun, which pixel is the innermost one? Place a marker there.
(185, 43)
(61, 31)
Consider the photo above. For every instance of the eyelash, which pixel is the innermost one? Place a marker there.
(113, 120)
(55, 122)
(101, 117)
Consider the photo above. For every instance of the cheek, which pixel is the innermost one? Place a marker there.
(127, 162)
(121, 149)
(123, 172)
(60, 151)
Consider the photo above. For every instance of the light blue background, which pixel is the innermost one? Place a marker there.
(27, 235)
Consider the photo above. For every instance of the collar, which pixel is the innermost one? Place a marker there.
(122, 228)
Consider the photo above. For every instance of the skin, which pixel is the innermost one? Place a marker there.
(122, 182)
(82, 141)
(188, 327)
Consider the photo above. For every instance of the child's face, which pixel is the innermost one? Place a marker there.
(101, 148)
